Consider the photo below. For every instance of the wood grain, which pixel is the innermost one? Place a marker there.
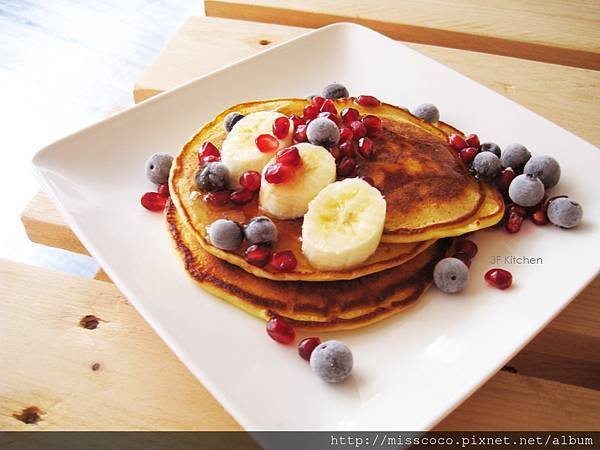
(562, 94)
(551, 31)
(120, 375)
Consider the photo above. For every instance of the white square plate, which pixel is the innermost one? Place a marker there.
(410, 370)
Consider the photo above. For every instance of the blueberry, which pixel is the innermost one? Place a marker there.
(490, 147)
(564, 212)
(158, 167)
(213, 176)
(526, 190)
(428, 112)
(231, 119)
(486, 165)
(515, 156)
(335, 90)
(322, 131)
(545, 168)
(332, 361)
(451, 275)
(261, 230)
(225, 234)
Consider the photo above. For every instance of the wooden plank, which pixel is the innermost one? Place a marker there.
(541, 31)
(564, 95)
(120, 376)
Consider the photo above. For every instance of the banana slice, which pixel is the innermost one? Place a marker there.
(343, 225)
(239, 152)
(290, 199)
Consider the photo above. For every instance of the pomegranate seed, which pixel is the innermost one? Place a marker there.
(284, 261)
(218, 198)
(369, 180)
(466, 246)
(163, 189)
(280, 330)
(346, 134)
(539, 217)
(328, 106)
(346, 166)
(289, 156)
(306, 347)
(281, 127)
(358, 129)
(311, 111)
(365, 147)
(367, 100)
(297, 120)
(373, 124)
(505, 179)
(514, 222)
(349, 115)
(318, 100)
(468, 154)
(208, 153)
(472, 140)
(153, 201)
(267, 143)
(241, 197)
(300, 134)
(463, 257)
(457, 142)
(348, 148)
(327, 115)
(258, 255)
(516, 209)
(278, 173)
(250, 180)
(336, 153)
(498, 278)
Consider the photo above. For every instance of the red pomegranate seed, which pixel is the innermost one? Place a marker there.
(346, 134)
(466, 246)
(317, 100)
(505, 179)
(297, 120)
(311, 111)
(468, 154)
(306, 347)
(498, 278)
(358, 129)
(472, 140)
(278, 173)
(289, 156)
(348, 148)
(258, 255)
(328, 106)
(365, 147)
(539, 217)
(369, 180)
(349, 115)
(242, 196)
(457, 142)
(284, 261)
(163, 189)
(346, 166)
(373, 124)
(153, 201)
(218, 198)
(281, 127)
(336, 153)
(327, 115)
(300, 134)
(250, 180)
(514, 222)
(463, 257)
(267, 143)
(367, 100)
(516, 209)
(280, 330)
(208, 153)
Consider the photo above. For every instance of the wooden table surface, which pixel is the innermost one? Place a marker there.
(81, 354)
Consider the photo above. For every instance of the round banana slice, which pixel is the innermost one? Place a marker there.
(290, 199)
(239, 151)
(343, 225)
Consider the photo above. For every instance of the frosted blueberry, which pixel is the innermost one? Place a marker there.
(428, 112)
(515, 156)
(213, 176)
(564, 212)
(335, 90)
(545, 168)
(158, 167)
(225, 234)
(231, 119)
(261, 230)
(451, 275)
(486, 165)
(322, 131)
(332, 361)
(526, 190)
(490, 147)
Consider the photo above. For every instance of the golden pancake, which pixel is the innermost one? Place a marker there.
(328, 306)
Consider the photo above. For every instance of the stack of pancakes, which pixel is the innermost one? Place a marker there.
(430, 196)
